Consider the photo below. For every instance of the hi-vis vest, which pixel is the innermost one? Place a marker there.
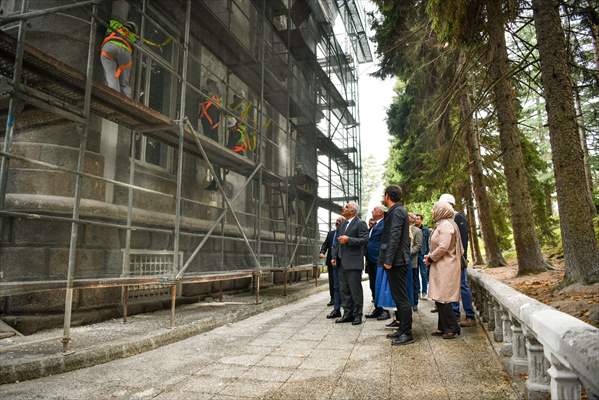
(118, 34)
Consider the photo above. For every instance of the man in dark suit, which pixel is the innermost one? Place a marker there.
(423, 251)
(372, 256)
(395, 257)
(349, 254)
(327, 249)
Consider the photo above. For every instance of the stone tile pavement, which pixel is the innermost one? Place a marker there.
(293, 352)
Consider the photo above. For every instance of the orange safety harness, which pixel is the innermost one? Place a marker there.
(242, 144)
(119, 36)
(213, 101)
(121, 68)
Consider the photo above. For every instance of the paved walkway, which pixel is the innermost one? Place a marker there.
(292, 352)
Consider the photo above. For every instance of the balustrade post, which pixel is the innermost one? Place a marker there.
(506, 325)
(484, 307)
(490, 313)
(476, 297)
(498, 332)
(537, 383)
(518, 362)
(565, 385)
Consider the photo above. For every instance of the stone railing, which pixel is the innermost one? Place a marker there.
(558, 352)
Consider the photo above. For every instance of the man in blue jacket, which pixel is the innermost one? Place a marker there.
(372, 255)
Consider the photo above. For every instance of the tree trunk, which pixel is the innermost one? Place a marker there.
(578, 237)
(578, 108)
(595, 34)
(528, 250)
(475, 164)
(585, 151)
(591, 15)
(477, 257)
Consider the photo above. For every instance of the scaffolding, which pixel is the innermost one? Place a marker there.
(279, 69)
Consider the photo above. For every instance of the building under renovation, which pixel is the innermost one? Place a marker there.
(112, 200)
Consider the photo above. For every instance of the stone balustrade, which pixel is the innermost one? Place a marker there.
(559, 353)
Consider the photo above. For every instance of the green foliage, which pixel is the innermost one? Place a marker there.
(418, 42)
(456, 21)
(424, 208)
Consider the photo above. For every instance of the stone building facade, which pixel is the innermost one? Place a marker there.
(34, 249)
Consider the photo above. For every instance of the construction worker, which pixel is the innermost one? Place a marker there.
(239, 140)
(116, 55)
(210, 111)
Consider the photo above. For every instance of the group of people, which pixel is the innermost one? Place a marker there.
(404, 261)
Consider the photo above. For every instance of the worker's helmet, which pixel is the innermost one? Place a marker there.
(131, 26)
(231, 122)
(448, 198)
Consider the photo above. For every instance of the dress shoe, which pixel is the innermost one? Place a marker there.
(346, 318)
(450, 335)
(375, 313)
(437, 333)
(405, 338)
(392, 325)
(394, 335)
(334, 314)
(468, 323)
(357, 320)
(330, 303)
(384, 316)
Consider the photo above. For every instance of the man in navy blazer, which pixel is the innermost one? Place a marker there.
(326, 251)
(372, 255)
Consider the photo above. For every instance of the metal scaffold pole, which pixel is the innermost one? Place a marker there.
(132, 155)
(180, 149)
(288, 167)
(11, 117)
(259, 155)
(91, 51)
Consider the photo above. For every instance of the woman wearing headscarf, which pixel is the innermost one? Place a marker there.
(444, 260)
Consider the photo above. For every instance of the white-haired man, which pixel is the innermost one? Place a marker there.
(349, 253)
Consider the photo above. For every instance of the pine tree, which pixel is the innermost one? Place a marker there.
(575, 211)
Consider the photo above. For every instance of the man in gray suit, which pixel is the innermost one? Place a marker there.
(349, 253)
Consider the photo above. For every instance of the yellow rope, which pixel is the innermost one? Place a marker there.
(166, 41)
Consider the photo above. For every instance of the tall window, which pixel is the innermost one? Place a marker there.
(154, 153)
(157, 89)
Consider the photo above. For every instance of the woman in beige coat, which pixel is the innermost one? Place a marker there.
(444, 260)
